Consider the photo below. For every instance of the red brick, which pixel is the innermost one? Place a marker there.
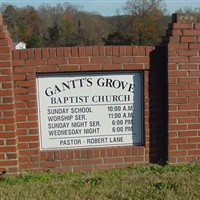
(52, 52)
(102, 152)
(5, 49)
(181, 26)
(191, 32)
(92, 162)
(112, 67)
(178, 46)
(133, 66)
(27, 138)
(34, 159)
(4, 35)
(6, 71)
(59, 52)
(108, 51)
(74, 52)
(91, 67)
(35, 62)
(77, 153)
(193, 127)
(88, 51)
(19, 77)
(56, 61)
(24, 70)
(187, 133)
(177, 87)
(194, 113)
(188, 107)
(194, 46)
(49, 164)
(28, 152)
(99, 60)
(45, 53)
(172, 32)
(34, 145)
(78, 60)
(122, 50)
(194, 60)
(5, 64)
(142, 50)
(121, 60)
(15, 54)
(188, 66)
(178, 73)
(194, 73)
(177, 59)
(134, 159)
(5, 56)
(83, 168)
(96, 153)
(194, 140)
(194, 152)
(6, 41)
(178, 140)
(141, 59)
(38, 53)
(172, 52)
(172, 80)
(188, 52)
(9, 163)
(186, 146)
(187, 120)
(47, 69)
(69, 68)
(188, 39)
(23, 145)
(178, 114)
(193, 100)
(194, 86)
(71, 162)
(173, 147)
(84, 153)
(7, 149)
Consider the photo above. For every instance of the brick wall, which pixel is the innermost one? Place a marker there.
(171, 97)
(27, 63)
(183, 89)
(8, 138)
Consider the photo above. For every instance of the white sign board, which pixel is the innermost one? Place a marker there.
(90, 110)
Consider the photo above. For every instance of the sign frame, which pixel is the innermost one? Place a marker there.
(103, 139)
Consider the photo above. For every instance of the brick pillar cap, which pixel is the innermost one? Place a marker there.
(184, 18)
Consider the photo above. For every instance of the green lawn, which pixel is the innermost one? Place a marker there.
(135, 182)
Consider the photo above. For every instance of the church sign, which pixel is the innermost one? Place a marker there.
(87, 110)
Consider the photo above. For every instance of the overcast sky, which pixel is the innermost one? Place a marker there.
(104, 7)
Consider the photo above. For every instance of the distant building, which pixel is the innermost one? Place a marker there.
(19, 45)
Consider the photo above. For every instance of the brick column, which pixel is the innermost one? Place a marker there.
(183, 38)
(8, 141)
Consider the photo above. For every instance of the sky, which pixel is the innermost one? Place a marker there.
(104, 7)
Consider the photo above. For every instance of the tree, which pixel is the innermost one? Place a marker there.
(117, 38)
(34, 41)
(11, 17)
(191, 11)
(91, 28)
(146, 17)
(29, 23)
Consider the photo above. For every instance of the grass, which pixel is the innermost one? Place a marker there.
(135, 182)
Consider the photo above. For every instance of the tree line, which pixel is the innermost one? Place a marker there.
(143, 23)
